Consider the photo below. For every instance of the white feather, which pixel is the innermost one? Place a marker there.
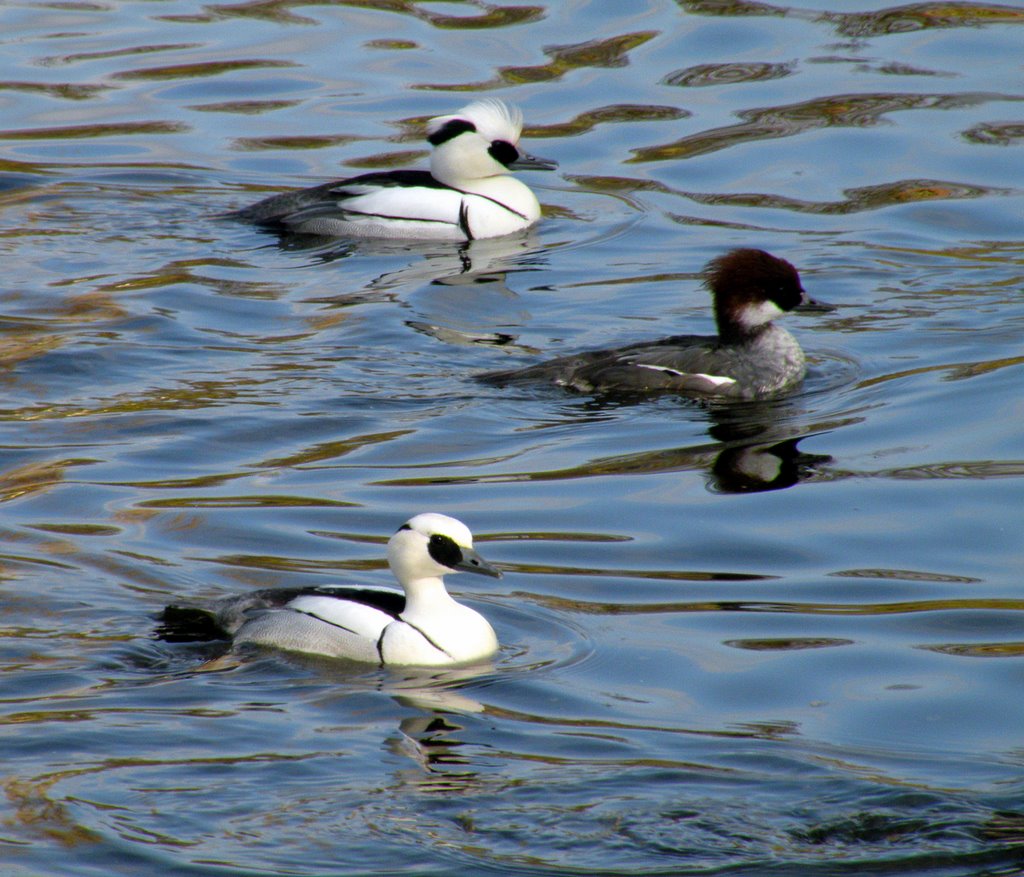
(493, 118)
(714, 380)
(413, 202)
(357, 617)
(754, 315)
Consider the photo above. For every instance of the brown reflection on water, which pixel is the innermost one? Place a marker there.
(904, 18)
(787, 644)
(185, 271)
(610, 52)
(904, 575)
(978, 650)
(856, 200)
(108, 129)
(245, 107)
(33, 478)
(200, 69)
(249, 501)
(921, 16)
(25, 345)
(905, 607)
(954, 371)
(398, 159)
(78, 57)
(996, 133)
(61, 90)
(293, 564)
(281, 11)
(192, 395)
(952, 469)
(331, 450)
(728, 74)
(590, 119)
(294, 141)
(789, 120)
(34, 809)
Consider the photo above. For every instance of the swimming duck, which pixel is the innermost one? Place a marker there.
(751, 357)
(467, 193)
(423, 626)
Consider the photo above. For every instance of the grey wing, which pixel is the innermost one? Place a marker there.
(690, 372)
(298, 632)
(276, 209)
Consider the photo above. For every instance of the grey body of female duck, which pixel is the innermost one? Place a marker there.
(751, 357)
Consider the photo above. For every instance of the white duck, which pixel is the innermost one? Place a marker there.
(468, 192)
(423, 626)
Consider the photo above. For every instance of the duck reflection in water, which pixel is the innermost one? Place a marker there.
(398, 269)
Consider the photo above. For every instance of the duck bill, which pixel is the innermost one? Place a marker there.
(473, 562)
(810, 305)
(527, 162)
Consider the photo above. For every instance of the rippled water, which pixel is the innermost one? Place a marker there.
(779, 638)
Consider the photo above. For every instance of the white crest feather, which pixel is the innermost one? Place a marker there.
(493, 118)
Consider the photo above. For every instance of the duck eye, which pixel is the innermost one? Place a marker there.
(503, 152)
(444, 550)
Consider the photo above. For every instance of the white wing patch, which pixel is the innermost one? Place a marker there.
(404, 202)
(359, 618)
(716, 381)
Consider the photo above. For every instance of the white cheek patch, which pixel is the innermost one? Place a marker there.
(752, 316)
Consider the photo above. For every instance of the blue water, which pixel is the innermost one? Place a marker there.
(776, 638)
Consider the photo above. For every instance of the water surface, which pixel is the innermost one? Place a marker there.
(776, 638)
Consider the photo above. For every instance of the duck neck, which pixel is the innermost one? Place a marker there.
(500, 186)
(426, 596)
(731, 332)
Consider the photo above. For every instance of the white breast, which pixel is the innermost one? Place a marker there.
(459, 635)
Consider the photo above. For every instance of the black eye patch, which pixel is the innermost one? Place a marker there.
(451, 128)
(444, 550)
(503, 152)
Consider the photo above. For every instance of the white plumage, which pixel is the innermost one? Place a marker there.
(421, 625)
(468, 192)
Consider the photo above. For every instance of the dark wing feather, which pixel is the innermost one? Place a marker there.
(193, 624)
